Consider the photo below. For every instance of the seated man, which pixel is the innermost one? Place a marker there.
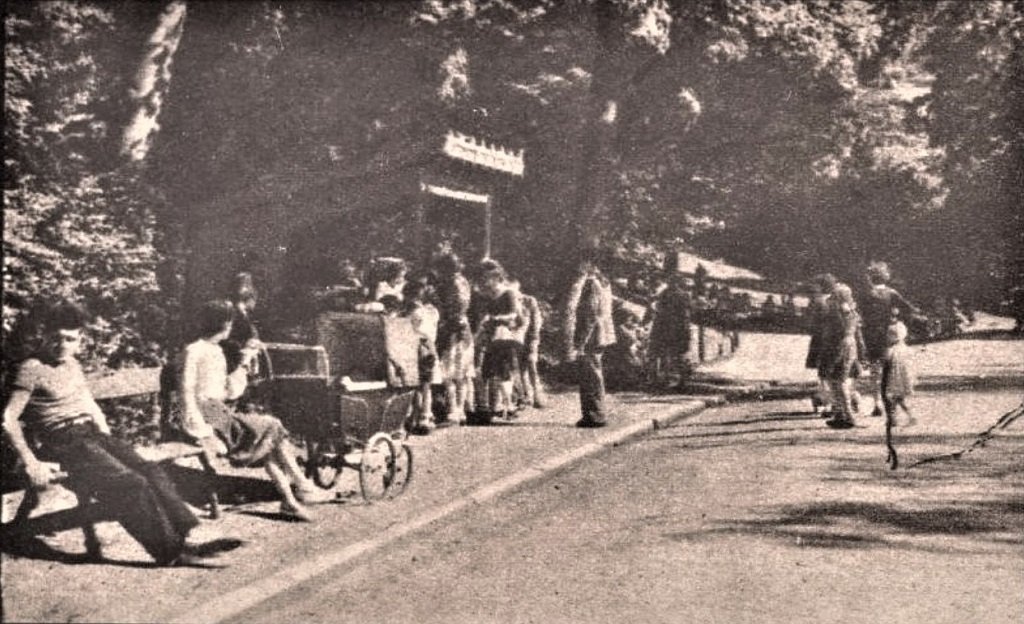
(50, 391)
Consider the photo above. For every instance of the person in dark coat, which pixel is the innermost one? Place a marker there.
(817, 312)
(670, 331)
(880, 305)
(590, 329)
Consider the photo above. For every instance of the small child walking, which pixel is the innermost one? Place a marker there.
(897, 373)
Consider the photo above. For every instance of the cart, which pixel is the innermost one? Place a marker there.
(348, 397)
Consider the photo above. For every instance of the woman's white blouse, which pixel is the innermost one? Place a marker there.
(205, 377)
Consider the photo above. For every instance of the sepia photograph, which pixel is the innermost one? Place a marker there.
(513, 311)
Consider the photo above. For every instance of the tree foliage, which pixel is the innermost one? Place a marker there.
(75, 225)
(788, 136)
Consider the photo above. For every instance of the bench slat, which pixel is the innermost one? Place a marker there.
(125, 382)
(167, 451)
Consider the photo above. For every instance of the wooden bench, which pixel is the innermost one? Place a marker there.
(118, 384)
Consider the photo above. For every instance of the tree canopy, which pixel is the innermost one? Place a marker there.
(788, 136)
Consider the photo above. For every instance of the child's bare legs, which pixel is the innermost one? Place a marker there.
(456, 394)
(911, 421)
(467, 390)
(500, 394)
(876, 383)
(842, 405)
(506, 389)
(533, 382)
(424, 411)
(822, 397)
(891, 406)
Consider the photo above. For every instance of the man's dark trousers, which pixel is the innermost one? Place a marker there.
(136, 493)
(591, 380)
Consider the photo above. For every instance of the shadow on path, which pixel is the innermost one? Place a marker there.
(861, 524)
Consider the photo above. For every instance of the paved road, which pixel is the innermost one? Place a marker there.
(749, 513)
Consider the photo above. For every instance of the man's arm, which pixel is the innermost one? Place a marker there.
(98, 417)
(905, 306)
(39, 474)
(588, 314)
(569, 323)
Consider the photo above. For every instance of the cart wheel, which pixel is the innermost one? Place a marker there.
(324, 463)
(403, 471)
(377, 467)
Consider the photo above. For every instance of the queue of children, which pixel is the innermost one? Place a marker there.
(480, 341)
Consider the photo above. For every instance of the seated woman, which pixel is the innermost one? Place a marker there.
(250, 439)
(51, 396)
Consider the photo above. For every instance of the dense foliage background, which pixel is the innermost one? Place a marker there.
(787, 136)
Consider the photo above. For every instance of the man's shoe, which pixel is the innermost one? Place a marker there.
(479, 418)
(840, 423)
(877, 412)
(586, 423)
(190, 560)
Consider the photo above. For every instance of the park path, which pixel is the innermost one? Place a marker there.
(753, 512)
(45, 580)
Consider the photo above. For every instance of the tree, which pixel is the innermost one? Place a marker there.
(75, 225)
(973, 113)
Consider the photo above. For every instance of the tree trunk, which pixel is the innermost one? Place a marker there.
(597, 156)
(153, 80)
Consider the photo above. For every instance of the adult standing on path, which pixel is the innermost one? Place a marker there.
(842, 348)
(880, 304)
(589, 330)
(817, 315)
(670, 331)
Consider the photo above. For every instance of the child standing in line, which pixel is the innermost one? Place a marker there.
(424, 317)
(897, 373)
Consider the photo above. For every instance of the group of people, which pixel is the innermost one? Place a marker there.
(480, 343)
(848, 339)
(481, 339)
(51, 416)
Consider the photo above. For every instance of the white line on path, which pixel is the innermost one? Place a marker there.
(235, 602)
